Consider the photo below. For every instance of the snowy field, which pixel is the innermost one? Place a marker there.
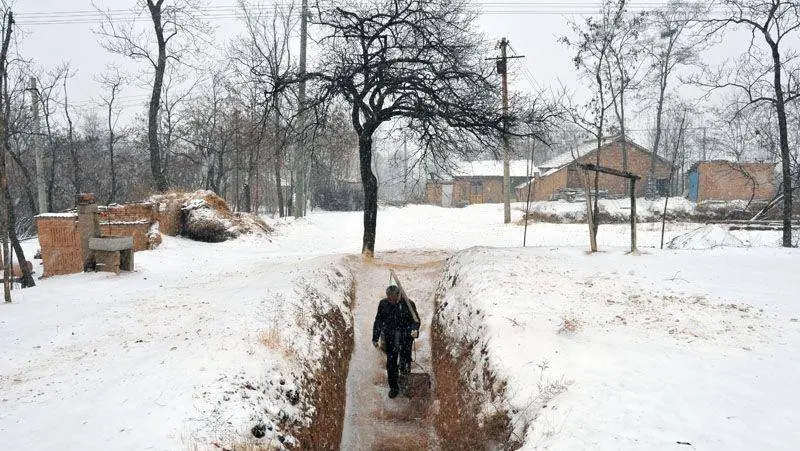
(653, 351)
(695, 346)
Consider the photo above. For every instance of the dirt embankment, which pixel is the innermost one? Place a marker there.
(329, 398)
(472, 412)
(460, 423)
(298, 403)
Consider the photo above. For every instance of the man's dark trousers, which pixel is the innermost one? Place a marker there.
(394, 344)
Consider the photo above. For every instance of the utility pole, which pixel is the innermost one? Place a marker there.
(302, 160)
(41, 192)
(502, 66)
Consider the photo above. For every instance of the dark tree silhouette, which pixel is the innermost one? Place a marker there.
(419, 64)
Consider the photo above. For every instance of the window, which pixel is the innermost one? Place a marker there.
(476, 188)
(662, 187)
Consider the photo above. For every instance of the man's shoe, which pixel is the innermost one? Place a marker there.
(393, 393)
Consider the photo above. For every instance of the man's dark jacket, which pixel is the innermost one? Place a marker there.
(393, 318)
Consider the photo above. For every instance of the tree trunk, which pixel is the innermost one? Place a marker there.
(4, 114)
(278, 161)
(27, 276)
(786, 158)
(370, 185)
(73, 149)
(26, 174)
(155, 99)
(659, 111)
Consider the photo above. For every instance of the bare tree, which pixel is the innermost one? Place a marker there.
(48, 100)
(623, 68)
(266, 52)
(766, 73)
(415, 62)
(668, 47)
(8, 23)
(592, 42)
(8, 218)
(72, 146)
(177, 28)
(112, 81)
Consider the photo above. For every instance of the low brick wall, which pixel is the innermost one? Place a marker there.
(145, 211)
(169, 221)
(60, 243)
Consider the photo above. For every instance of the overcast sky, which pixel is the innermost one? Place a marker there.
(532, 28)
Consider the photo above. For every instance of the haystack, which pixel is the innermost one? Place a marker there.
(204, 216)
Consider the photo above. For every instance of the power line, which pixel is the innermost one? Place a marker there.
(68, 17)
(526, 73)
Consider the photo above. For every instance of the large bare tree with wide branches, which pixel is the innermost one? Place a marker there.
(416, 64)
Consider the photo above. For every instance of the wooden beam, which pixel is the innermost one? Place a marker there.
(403, 297)
(633, 215)
(610, 171)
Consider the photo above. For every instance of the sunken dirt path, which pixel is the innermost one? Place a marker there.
(372, 420)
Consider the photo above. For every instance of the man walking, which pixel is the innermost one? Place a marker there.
(396, 322)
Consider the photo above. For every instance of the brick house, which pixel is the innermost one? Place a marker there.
(727, 180)
(562, 172)
(475, 182)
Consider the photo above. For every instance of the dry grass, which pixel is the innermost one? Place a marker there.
(569, 325)
(218, 204)
(271, 338)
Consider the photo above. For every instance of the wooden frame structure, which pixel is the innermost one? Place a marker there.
(628, 175)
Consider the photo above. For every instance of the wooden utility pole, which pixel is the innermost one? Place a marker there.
(502, 66)
(302, 160)
(41, 191)
(506, 169)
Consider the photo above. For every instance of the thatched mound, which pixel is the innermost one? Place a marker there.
(204, 216)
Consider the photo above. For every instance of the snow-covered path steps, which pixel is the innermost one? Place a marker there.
(372, 420)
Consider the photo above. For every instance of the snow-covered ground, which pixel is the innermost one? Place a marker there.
(612, 351)
(658, 354)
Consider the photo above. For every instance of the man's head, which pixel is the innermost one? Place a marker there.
(393, 293)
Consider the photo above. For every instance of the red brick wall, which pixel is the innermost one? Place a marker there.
(491, 190)
(544, 188)
(610, 157)
(128, 212)
(638, 163)
(721, 180)
(433, 193)
(461, 191)
(61, 245)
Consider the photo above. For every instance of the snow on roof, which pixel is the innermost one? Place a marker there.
(493, 168)
(568, 157)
